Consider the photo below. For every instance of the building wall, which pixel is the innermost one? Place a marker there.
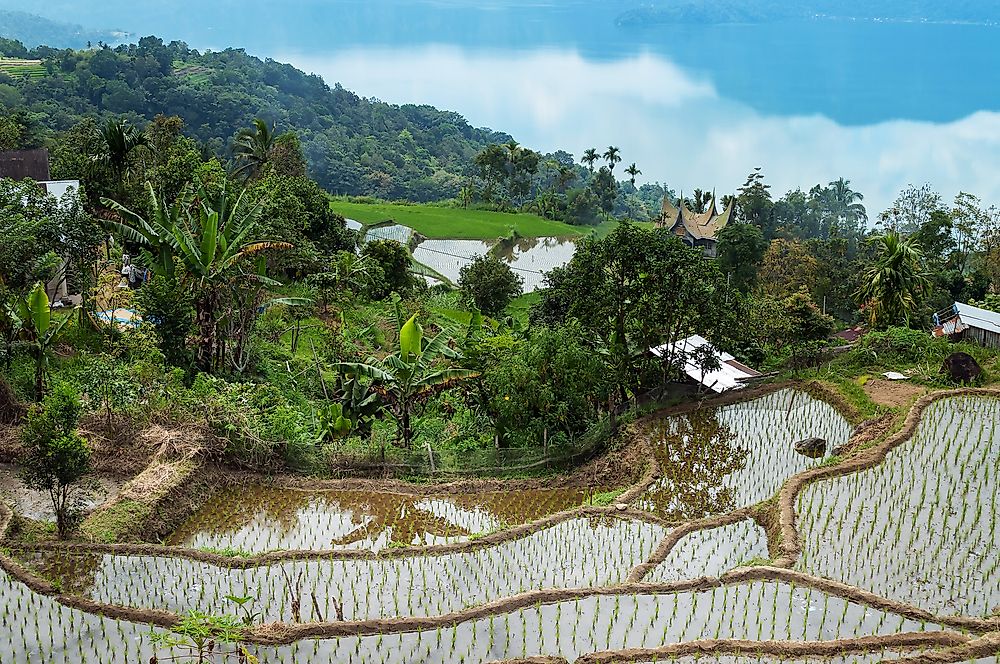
(982, 337)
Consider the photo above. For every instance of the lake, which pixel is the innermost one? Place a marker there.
(883, 104)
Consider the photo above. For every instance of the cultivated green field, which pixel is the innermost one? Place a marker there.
(22, 68)
(433, 221)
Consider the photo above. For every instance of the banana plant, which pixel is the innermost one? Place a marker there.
(156, 234)
(40, 330)
(409, 375)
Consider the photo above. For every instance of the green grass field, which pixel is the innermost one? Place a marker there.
(433, 221)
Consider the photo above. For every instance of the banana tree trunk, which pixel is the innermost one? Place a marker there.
(205, 307)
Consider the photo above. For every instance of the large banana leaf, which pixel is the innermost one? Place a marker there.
(362, 370)
(34, 310)
(410, 339)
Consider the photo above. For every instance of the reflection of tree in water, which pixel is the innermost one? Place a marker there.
(367, 514)
(76, 573)
(696, 453)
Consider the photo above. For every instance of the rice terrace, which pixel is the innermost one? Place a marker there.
(627, 352)
(884, 551)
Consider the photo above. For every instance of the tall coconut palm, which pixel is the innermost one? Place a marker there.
(409, 375)
(252, 148)
(846, 204)
(633, 172)
(895, 285)
(590, 157)
(612, 156)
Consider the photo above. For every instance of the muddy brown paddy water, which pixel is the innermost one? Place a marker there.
(255, 519)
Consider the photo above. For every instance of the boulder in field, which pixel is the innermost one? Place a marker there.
(961, 368)
(813, 448)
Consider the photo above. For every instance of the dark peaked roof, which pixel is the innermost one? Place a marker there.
(21, 164)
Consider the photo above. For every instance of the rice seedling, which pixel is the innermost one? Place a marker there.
(921, 526)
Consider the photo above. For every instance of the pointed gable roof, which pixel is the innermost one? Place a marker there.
(701, 226)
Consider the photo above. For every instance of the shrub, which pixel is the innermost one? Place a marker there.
(57, 456)
(489, 284)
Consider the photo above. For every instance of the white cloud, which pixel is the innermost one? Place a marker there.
(675, 125)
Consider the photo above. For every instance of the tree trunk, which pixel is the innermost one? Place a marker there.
(405, 427)
(205, 318)
(39, 373)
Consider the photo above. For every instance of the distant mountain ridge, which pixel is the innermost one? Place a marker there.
(760, 11)
(32, 31)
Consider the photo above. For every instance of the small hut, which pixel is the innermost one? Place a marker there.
(963, 322)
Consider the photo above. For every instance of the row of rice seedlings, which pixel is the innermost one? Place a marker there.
(924, 522)
(712, 552)
(716, 460)
(758, 611)
(36, 629)
(577, 553)
(255, 519)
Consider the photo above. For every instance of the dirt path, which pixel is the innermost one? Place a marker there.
(893, 393)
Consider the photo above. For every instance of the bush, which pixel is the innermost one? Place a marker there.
(168, 307)
(901, 345)
(57, 456)
(488, 284)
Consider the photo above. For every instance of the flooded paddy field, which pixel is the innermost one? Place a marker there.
(580, 553)
(711, 552)
(716, 460)
(49, 632)
(257, 519)
(921, 527)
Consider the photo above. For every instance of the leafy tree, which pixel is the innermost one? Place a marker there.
(605, 190)
(631, 291)
(754, 205)
(57, 457)
(911, 210)
(787, 266)
(895, 285)
(583, 208)
(489, 284)
(409, 376)
(740, 250)
(393, 262)
(165, 304)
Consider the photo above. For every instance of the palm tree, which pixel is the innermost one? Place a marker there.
(846, 204)
(611, 155)
(895, 285)
(590, 157)
(252, 148)
(408, 376)
(119, 139)
(633, 172)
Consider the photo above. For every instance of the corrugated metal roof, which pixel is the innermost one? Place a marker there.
(984, 319)
(730, 374)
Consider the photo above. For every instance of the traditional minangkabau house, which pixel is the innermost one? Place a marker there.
(697, 229)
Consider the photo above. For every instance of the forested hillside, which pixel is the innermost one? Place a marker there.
(353, 145)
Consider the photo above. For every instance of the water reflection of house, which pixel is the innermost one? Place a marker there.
(963, 322)
(697, 229)
(34, 165)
